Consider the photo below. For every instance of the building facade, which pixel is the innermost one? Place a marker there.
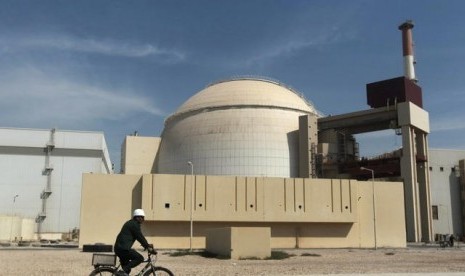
(447, 186)
(41, 174)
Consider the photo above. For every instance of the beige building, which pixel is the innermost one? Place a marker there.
(254, 153)
(302, 213)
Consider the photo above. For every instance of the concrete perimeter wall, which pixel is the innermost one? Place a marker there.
(302, 213)
(107, 203)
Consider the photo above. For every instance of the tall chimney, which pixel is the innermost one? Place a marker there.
(407, 47)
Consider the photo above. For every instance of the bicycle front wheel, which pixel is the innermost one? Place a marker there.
(158, 270)
(103, 271)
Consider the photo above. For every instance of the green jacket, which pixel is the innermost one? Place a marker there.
(130, 232)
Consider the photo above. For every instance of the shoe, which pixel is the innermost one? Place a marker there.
(121, 273)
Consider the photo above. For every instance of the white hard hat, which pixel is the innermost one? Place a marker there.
(138, 213)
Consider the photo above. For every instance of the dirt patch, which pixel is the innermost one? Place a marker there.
(39, 261)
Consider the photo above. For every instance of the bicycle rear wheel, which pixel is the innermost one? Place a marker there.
(158, 270)
(99, 271)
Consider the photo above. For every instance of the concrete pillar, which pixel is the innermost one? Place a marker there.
(408, 172)
(424, 187)
(308, 140)
(462, 185)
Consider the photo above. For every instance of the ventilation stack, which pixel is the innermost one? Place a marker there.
(407, 48)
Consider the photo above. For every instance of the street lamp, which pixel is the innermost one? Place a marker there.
(192, 204)
(374, 206)
(12, 214)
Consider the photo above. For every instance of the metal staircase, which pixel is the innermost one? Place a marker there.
(48, 169)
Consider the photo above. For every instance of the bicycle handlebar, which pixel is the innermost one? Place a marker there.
(151, 257)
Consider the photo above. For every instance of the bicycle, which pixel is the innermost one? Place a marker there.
(105, 264)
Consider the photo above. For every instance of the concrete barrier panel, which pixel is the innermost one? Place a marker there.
(240, 242)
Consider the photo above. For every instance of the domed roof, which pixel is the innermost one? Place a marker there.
(242, 127)
(245, 92)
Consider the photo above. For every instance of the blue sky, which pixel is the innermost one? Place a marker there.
(124, 66)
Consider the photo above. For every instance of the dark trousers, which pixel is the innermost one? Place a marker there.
(129, 258)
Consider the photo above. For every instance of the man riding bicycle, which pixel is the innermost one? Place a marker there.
(130, 232)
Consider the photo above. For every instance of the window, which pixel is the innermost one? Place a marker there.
(435, 212)
(430, 169)
(441, 169)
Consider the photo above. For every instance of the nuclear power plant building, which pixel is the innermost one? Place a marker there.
(251, 152)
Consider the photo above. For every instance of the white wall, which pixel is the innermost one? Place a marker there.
(22, 163)
(12, 227)
(445, 190)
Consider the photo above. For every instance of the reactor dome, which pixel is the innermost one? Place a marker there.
(243, 127)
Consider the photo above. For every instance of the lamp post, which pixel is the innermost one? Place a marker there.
(374, 206)
(12, 215)
(192, 204)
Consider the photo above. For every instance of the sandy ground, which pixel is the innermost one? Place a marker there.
(418, 259)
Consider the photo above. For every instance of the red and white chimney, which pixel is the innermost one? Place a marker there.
(407, 47)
